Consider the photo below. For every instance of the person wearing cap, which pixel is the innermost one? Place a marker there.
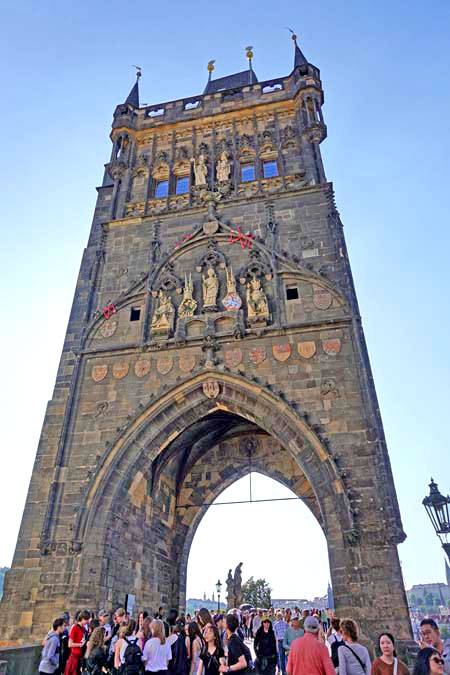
(293, 632)
(307, 654)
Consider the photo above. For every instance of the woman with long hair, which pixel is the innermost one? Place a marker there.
(354, 658)
(96, 656)
(204, 618)
(145, 633)
(265, 646)
(194, 645)
(157, 651)
(388, 663)
(212, 655)
(127, 636)
(429, 662)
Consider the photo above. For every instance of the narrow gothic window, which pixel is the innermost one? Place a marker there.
(135, 314)
(247, 172)
(270, 169)
(182, 185)
(162, 188)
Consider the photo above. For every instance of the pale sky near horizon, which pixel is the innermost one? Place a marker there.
(384, 68)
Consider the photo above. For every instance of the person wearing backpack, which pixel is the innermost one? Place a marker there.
(128, 654)
(354, 658)
(157, 652)
(238, 657)
(179, 664)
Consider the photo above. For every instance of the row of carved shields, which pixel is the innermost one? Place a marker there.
(232, 358)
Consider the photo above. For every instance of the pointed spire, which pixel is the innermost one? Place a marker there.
(133, 96)
(299, 58)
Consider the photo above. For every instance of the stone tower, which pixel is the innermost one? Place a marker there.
(215, 330)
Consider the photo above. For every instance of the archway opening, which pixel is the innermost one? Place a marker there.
(278, 540)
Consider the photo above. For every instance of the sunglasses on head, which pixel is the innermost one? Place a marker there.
(437, 660)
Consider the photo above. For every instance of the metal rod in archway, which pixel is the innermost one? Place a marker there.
(246, 501)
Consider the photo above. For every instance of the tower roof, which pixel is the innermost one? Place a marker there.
(133, 96)
(242, 79)
(299, 58)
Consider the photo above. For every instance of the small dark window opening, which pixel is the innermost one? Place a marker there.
(135, 314)
(292, 293)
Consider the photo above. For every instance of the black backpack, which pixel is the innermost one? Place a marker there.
(248, 656)
(179, 662)
(132, 658)
(334, 652)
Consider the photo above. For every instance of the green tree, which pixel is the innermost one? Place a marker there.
(257, 593)
(413, 599)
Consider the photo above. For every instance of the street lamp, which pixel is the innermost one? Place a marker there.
(436, 506)
(218, 589)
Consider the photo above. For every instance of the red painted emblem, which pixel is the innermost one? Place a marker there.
(332, 346)
(233, 357)
(281, 352)
(238, 237)
(109, 310)
(257, 355)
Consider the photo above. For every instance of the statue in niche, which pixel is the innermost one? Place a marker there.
(223, 168)
(210, 290)
(200, 170)
(257, 304)
(232, 302)
(188, 305)
(163, 317)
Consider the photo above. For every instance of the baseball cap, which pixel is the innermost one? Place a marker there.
(311, 624)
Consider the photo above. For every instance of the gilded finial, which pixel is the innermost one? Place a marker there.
(138, 71)
(211, 65)
(249, 52)
(294, 37)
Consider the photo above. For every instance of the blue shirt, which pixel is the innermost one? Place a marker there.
(280, 628)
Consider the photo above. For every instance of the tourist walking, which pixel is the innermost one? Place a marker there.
(212, 655)
(257, 620)
(354, 658)
(429, 662)
(238, 655)
(307, 654)
(77, 638)
(49, 662)
(388, 663)
(157, 650)
(265, 647)
(280, 627)
(293, 631)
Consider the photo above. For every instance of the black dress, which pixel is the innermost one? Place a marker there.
(266, 651)
(211, 662)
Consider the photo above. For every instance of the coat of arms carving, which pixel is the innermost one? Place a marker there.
(322, 298)
(99, 373)
(281, 352)
(120, 370)
(211, 389)
(164, 364)
(306, 349)
(331, 346)
(233, 357)
(107, 329)
(187, 362)
(257, 355)
(142, 367)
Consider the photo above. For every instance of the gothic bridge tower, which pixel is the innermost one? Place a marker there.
(214, 321)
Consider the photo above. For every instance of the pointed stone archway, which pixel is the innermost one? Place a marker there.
(135, 538)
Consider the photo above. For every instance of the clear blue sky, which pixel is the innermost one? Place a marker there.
(385, 70)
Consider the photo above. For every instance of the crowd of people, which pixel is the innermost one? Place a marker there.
(259, 642)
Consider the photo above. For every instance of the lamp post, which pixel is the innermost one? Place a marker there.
(437, 507)
(218, 589)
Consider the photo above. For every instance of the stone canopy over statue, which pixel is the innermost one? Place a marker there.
(234, 587)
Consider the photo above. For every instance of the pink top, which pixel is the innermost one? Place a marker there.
(308, 656)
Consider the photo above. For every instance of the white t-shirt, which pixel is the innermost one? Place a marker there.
(156, 656)
(131, 639)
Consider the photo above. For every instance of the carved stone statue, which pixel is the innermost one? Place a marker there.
(230, 590)
(188, 305)
(162, 322)
(231, 301)
(238, 585)
(257, 305)
(200, 170)
(223, 168)
(210, 289)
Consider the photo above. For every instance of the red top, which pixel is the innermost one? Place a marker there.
(308, 656)
(77, 635)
